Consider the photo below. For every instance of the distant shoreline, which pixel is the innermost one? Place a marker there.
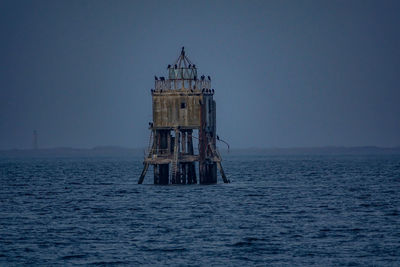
(112, 151)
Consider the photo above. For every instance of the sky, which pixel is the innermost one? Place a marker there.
(285, 73)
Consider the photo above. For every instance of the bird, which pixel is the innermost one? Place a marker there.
(202, 90)
(213, 91)
(169, 66)
(202, 77)
(195, 77)
(155, 78)
(176, 66)
(190, 65)
(162, 78)
(217, 137)
(194, 66)
(209, 78)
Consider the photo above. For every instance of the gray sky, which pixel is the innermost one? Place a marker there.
(286, 73)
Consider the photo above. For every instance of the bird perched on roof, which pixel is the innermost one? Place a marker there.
(169, 66)
(162, 78)
(209, 78)
(155, 78)
(202, 77)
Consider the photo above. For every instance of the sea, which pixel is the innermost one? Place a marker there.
(278, 210)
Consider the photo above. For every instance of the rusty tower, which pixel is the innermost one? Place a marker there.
(183, 112)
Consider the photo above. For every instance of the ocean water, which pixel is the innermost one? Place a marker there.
(277, 210)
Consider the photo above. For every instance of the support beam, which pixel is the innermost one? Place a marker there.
(183, 173)
(221, 170)
(191, 168)
(183, 133)
(156, 174)
(175, 173)
(144, 171)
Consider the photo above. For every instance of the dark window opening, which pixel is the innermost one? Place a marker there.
(183, 105)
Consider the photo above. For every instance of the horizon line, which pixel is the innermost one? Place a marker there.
(237, 148)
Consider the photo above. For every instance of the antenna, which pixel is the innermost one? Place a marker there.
(35, 140)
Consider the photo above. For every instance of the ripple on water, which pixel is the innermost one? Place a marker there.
(278, 210)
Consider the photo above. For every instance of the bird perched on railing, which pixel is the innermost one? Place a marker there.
(169, 66)
(209, 78)
(155, 78)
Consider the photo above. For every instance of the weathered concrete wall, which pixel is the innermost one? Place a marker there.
(174, 108)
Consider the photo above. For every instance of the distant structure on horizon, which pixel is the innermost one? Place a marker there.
(183, 110)
(35, 140)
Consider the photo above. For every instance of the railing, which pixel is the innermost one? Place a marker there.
(182, 84)
(163, 85)
(166, 152)
(182, 73)
(155, 151)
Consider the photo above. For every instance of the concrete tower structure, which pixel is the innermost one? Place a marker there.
(183, 112)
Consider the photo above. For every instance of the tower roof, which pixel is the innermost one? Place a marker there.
(182, 69)
(183, 61)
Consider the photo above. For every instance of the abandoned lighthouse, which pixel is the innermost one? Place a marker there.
(183, 131)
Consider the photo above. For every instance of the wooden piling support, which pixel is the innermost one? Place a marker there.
(143, 174)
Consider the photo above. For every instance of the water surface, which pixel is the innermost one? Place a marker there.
(278, 210)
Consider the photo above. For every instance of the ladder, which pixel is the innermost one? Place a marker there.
(174, 167)
(149, 154)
